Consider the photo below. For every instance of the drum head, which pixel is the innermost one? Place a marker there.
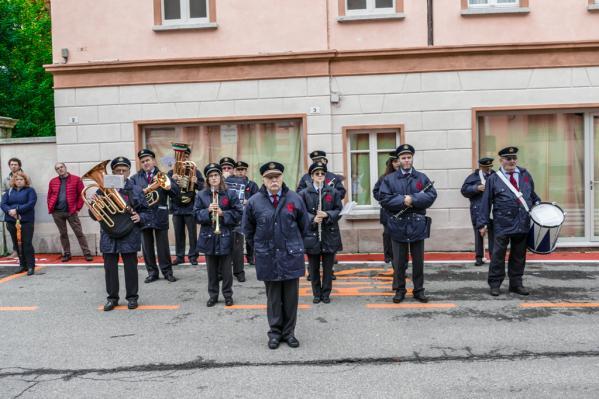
(547, 215)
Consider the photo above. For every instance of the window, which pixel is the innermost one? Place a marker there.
(368, 153)
(254, 142)
(493, 3)
(184, 11)
(367, 7)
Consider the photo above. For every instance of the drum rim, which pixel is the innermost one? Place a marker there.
(545, 226)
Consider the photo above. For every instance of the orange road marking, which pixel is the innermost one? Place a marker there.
(560, 305)
(17, 308)
(146, 307)
(262, 306)
(14, 276)
(411, 305)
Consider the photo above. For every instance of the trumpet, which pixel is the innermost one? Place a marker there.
(161, 180)
(185, 169)
(215, 217)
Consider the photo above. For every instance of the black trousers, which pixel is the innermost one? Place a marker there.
(111, 272)
(180, 224)
(219, 265)
(27, 254)
(321, 289)
(387, 246)
(249, 251)
(479, 241)
(516, 261)
(281, 307)
(160, 237)
(400, 259)
(237, 254)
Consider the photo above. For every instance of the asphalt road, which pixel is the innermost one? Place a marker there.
(466, 344)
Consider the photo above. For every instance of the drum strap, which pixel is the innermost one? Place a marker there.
(517, 193)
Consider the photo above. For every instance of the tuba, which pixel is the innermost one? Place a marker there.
(161, 180)
(106, 204)
(187, 170)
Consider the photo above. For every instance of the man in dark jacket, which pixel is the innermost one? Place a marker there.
(473, 189)
(511, 220)
(410, 192)
(251, 188)
(276, 221)
(183, 218)
(64, 204)
(156, 229)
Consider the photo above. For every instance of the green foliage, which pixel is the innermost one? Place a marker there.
(25, 87)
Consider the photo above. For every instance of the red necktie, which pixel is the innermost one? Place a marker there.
(149, 177)
(275, 200)
(513, 181)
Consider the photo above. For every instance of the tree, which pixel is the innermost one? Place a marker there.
(25, 46)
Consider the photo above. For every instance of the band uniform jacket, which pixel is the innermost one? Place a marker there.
(413, 225)
(176, 208)
(470, 191)
(159, 211)
(277, 234)
(330, 179)
(135, 198)
(330, 242)
(208, 242)
(383, 214)
(509, 216)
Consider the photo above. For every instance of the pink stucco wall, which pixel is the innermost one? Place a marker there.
(106, 30)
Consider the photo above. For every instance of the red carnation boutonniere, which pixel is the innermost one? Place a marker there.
(526, 179)
(327, 181)
(290, 207)
(224, 201)
(328, 198)
(419, 185)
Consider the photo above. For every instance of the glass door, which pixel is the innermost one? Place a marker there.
(594, 179)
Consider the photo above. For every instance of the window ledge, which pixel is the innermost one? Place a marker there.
(363, 214)
(371, 17)
(593, 7)
(207, 25)
(495, 10)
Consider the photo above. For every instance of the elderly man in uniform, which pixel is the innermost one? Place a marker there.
(473, 189)
(511, 220)
(410, 192)
(276, 221)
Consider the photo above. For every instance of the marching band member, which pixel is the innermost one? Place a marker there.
(236, 185)
(182, 206)
(227, 164)
(392, 166)
(218, 211)
(511, 220)
(406, 194)
(275, 221)
(323, 204)
(155, 231)
(473, 189)
(251, 188)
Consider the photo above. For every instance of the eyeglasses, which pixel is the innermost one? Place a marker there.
(510, 157)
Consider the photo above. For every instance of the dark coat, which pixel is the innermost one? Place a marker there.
(135, 198)
(159, 211)
(337, 182)
(470, 191)
(383, 214)
(177, 208)
(208, 242)
(23, 201)
(509, 216)
(330, 242)
(412, 225)
(277, 234)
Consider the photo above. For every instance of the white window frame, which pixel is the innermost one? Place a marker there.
(185, 12)
(494, 3)
(371, 9)
(373, 151)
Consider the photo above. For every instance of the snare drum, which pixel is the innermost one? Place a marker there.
(546, 222)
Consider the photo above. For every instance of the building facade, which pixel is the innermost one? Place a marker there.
(275, 79)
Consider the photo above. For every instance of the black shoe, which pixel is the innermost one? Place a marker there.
(494, 291)
(309, 277)
(273, 343)
(132, 304)
(171, 278)
(479, 262)
(292, 342)
(316, 299)
(110, 305)
(65, 257)
(229, 301)
(31, 272)
(421, 298)
(251, 263)
(193, 261)
(21, 269)
(519, 290)
(211, 302)
(178, 261)
(326, 299)
(399, 297)
(241, 277)
(333, 277)
(89, 257)
(150, 279)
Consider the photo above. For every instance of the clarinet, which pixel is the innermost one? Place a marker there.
(320, 186)
(398, 214)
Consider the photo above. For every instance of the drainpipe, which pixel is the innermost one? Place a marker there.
(429, 21)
